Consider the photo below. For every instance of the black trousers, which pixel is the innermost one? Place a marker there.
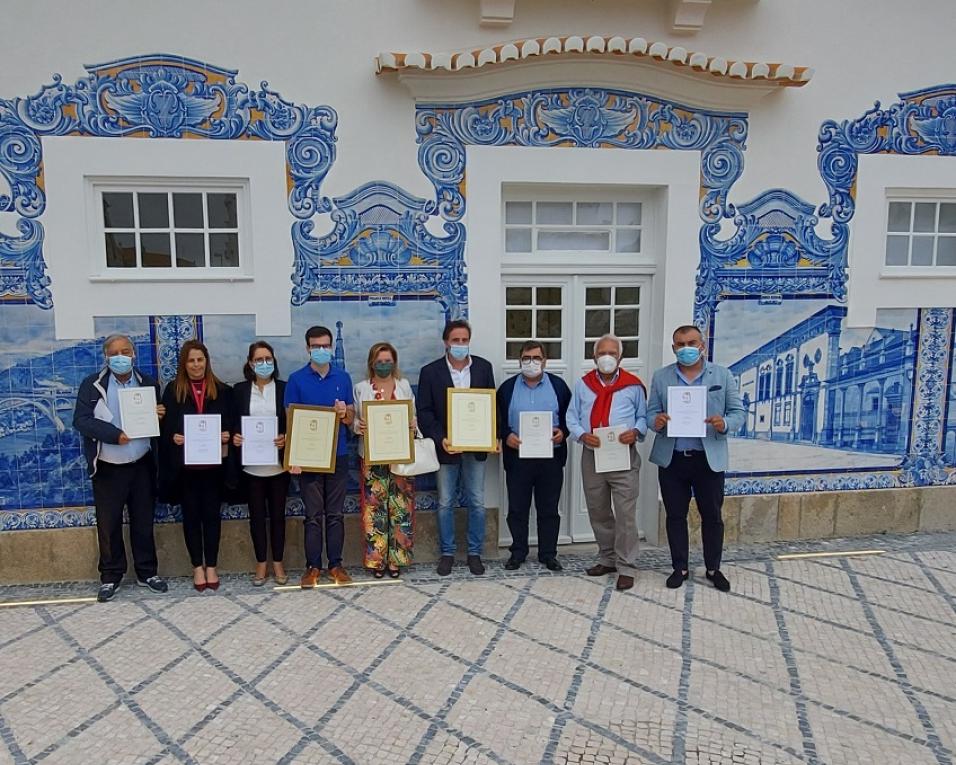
(687, 472)
(323, 495)
(202, 519)
(267, 497)
(130, 485)
(542, 479)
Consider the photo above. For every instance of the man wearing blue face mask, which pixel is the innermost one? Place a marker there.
(319, 383)
(694, 463)
(459, 369)
(122, 469)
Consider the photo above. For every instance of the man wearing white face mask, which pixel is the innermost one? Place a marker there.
(609, 396)
(533, 390)
(123, 469)
(694, 463)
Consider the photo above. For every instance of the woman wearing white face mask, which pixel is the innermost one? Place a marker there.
(267, 486)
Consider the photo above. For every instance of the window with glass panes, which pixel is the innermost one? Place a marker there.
(534, 313)
(921, 232)
(573, 226)
(615, 310)
(170, 229)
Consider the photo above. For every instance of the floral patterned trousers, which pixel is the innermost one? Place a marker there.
(388, 509)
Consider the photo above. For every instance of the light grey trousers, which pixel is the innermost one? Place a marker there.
(612, 509)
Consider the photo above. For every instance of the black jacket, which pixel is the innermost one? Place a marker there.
(241, 393)
(431, 401)
(94, 430)
(509, 456)
(171, 455)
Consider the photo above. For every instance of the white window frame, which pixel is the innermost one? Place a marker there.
(98, 185)
(914, 197)
(580, 193)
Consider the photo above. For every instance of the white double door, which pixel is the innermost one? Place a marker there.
(568, 313)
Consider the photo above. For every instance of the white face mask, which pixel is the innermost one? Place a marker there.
(606, 364)
(531, 368)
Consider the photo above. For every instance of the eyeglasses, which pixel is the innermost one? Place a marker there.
(525, 359)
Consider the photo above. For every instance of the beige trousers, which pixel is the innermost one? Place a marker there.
(612, 509)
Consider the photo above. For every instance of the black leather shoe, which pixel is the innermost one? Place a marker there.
(475, 566)
(444, 565)
(552, 564)
(513, 564)
(676, 580)
(719, 581)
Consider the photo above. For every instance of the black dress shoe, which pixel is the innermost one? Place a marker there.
(719, 581)
(676, 579)
(512, 564)
(444, 565)
(552, 564)
(475, 566)
(600, 570)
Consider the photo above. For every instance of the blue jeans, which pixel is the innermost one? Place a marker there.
(468, 475)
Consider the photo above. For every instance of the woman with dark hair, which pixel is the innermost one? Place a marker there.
(387, 500)
(261, 395)
(197, 488)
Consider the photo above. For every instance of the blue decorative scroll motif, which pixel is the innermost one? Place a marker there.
(158, 96)
(774, 251)
(380, 249)
(584, 118)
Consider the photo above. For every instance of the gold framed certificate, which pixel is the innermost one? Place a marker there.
(389, 439)
(312, 438)
(472, 419)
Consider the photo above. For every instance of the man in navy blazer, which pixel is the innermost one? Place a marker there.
(533, 390)
(694, 463)
(458, 471)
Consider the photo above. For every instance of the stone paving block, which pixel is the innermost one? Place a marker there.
(658, 622)
(122, 657)
(708, 741)
(552, 625)
(636, 659)
(419, 674)
(299, 610)
(578, 593)
(456, 631)
(843, 644)
(818, 573)
(29, 658)
(91, 624)
(943, 717)
(388, 602)
(355, 638)
(306, 684)
(217, 612)
(489, 599)
(932, 636)
(750, 655)
(248, 647)
(842, 741)
(533, 666)
(184, 695)
(118, 739)
(843, 609)
(313, 754)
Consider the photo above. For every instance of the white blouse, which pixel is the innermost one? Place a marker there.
(262, 403)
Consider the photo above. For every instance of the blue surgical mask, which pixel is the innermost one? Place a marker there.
(120, 364)
(687, 356)
(321, 356)
(264, 369)
(458, 352)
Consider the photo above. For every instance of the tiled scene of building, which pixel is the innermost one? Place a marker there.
(823, 660)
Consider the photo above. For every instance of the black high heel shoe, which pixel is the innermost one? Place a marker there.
(394, 573)
(378, 573)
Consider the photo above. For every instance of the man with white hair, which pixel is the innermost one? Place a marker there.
(606, 396)
(123, 469)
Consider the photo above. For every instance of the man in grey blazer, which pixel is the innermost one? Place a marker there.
(694, 463)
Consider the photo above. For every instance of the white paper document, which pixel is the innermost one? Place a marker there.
(611, 456)
(258, 441)
(138, 418)
(687, 407)
(535, 432)
(203, 439)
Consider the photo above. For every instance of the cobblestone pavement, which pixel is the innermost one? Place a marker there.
(826, 660)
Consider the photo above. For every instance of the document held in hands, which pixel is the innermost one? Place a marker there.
(687, 407)
(203, 434)
(258, 440)
(611, 456)
(535, 432)
(138, 412)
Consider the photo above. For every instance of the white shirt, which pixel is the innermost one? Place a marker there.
(262, 403)
(460, 378)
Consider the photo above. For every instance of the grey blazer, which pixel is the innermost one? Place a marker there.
(722, 398)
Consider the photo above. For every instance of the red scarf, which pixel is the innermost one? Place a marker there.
(199, 394)
(601, 411)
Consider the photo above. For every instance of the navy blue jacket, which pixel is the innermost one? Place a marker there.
(431, 401)
(95, 430)
(509, 456)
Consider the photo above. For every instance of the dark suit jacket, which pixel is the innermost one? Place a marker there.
(235, 476)
(171, 455)
(431, 401)
(510, 456)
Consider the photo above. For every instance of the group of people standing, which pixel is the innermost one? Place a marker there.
(134, 473)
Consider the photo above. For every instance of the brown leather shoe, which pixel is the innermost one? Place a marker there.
(339, 575)
(624, 582)
(600, 570)
(310, 578)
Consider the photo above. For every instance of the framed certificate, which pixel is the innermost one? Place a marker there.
(258, 441)
(312, 437)
(203, 444)
(472, 419)
(389, 439)
(137, 412)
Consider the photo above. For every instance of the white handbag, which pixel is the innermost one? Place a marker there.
(426, 459)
